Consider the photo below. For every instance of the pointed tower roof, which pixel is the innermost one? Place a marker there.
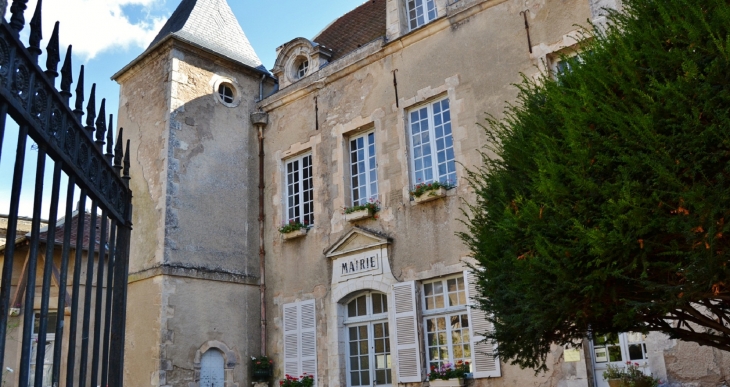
(210, 25)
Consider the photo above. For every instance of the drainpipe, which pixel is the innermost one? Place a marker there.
(260, 120)
(261, 87)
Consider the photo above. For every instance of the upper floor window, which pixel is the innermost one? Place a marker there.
(363, 169)
(368, 336)
(420, 12)
(446, 320)
(299, 190)
(302, 69)
(432, 145)
(225, 92)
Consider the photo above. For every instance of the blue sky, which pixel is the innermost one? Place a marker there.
(108, 34)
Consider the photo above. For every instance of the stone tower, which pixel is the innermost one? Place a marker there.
(194, 286)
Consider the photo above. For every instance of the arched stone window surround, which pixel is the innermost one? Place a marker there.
(230, 360)
(292, 54)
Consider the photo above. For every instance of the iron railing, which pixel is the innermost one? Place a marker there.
(101, 180)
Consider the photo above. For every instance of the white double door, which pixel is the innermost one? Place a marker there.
(617, 350)
(369, 362)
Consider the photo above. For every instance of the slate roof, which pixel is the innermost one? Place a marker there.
(354, 29)
(211, 25)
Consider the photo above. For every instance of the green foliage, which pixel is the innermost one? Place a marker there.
(372, 206)
(606, 208)
(630, 375)
(261, 363)
(302, 381)
(293, 225)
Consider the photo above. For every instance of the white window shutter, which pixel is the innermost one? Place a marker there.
(484, 363)
(308, 330)
(406, 333)
(291, 339)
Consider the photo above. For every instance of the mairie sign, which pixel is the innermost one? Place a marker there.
(359, 264)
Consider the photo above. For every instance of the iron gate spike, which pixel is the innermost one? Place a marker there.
(80, 96)
(91, 111)
(118, 152)
(53, 55)
(36, 32)
(101, 126)
(110, 140)
(17, 21)
(66, 76)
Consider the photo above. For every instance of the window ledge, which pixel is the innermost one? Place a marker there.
(358, 215)
(447, 383)
(294, 234)
(430, 195)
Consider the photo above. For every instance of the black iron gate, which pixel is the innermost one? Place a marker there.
(99, 177)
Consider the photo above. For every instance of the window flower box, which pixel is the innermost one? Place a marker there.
(294, 234)
(448, 375)
(293, 229)
(362, 211)
(455, 382)
(434, 194)
(358, 215)
(425, 192)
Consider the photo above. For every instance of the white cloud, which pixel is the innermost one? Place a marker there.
(93, 26)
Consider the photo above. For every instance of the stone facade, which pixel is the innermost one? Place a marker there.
(195, 246)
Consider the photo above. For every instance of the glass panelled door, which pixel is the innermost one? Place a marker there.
(369, 357)
(617, 349)
(368, 340)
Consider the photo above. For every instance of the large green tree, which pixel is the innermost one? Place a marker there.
(603, 204)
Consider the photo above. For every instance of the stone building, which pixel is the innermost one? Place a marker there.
(386, 97)
(80, 287)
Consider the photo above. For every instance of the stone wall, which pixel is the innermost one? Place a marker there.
(472, 55)
(194, 250)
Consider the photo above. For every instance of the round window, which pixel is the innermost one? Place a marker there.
(225, 91)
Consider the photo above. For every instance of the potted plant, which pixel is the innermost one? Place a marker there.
(293, 229)
(424, 192)
(629, 376)
(635, 377)
(614, 375)
(261, 368)
(302, 381)
(362, 211)
(448, 375)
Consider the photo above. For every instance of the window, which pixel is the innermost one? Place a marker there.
(48, 358)
(363, 169)
(617, 349)
(420, 12)
(621, 348)
(368, 339)
(299, 190)
(432, 145)
(300, 339)
(447, 322)
(225, 91)
(302, 69)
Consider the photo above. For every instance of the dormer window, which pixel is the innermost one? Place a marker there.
(302, 69)
(420, 12)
